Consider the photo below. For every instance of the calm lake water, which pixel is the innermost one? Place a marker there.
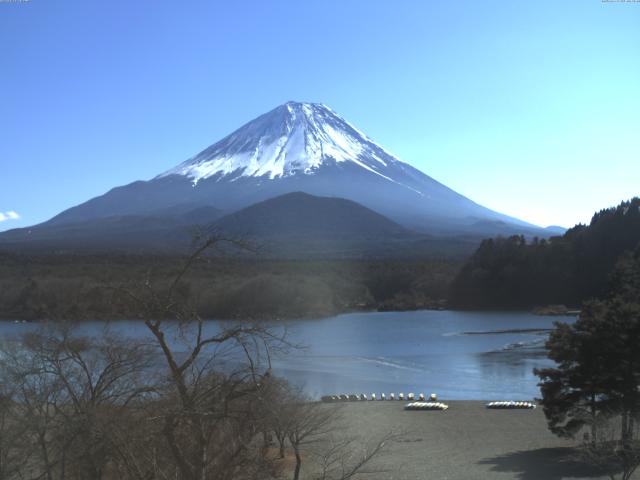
(458, 355)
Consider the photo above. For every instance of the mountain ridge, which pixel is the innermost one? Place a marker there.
(292, 226)
(298, 147)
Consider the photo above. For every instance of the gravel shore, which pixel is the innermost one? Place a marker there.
(465, 442)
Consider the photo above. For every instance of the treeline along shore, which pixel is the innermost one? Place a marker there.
(67, 286)
(520, 273)
(513, 273)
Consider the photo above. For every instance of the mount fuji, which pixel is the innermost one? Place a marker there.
(296, 147)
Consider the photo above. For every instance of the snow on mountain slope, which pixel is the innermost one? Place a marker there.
(300, 147)
(295, 138)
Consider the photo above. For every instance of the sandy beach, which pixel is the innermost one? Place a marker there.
(466, 442)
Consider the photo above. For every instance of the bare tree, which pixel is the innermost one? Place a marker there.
(276, 411)
(69, 394)
(216, 373)
(12, 456)
(315, 431)
(344, 458)
(310, 424)
(35, 397)
(195, 400)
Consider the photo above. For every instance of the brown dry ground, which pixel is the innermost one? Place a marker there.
(465, 442)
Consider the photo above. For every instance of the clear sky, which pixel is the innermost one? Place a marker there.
(531, 108)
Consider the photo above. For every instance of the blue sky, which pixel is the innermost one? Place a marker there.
(529, 108)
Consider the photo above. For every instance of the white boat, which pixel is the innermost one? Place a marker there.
(511, 405)
(426, 406)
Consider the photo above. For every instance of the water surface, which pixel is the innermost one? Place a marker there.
(458, 355)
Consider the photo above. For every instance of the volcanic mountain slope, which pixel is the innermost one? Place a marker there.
(301, 214)
(301, 225)
(297, 147)
(131, 233)
(302, 147)
(294, 225)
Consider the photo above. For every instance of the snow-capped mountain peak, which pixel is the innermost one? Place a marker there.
(295, 148)
(294, 138)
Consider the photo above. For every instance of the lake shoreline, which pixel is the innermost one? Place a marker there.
(459, 355)
(265, 316)
(439, 306)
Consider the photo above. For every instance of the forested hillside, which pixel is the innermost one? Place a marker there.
(88, 286)
(515, 273)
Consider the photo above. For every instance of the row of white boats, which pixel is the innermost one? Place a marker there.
(420, 402)
(363, 396)
(508, 405)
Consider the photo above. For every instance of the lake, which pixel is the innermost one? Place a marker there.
(458, 355)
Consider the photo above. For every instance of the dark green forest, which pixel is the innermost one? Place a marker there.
(504, 273)
(90, 286)
(515, 273)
